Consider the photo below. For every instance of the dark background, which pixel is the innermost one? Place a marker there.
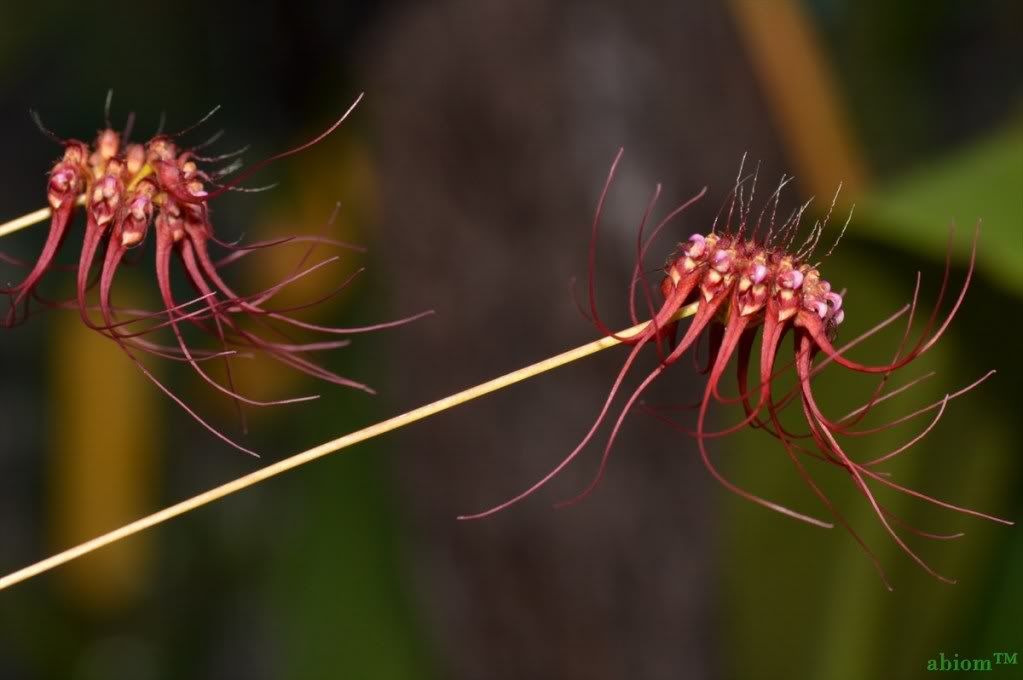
(471, 172)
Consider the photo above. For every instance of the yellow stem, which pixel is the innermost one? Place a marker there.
(31, 218)
(25, 221)
(328, 447)
(146, 171)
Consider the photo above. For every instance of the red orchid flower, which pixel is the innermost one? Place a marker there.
(127, 188)
(746, 280)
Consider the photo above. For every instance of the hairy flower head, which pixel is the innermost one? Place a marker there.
(746, 278)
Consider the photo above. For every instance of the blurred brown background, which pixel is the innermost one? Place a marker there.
(471, 172)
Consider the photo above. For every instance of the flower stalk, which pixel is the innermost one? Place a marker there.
(332, 446)
(31, 219)
(165, 186)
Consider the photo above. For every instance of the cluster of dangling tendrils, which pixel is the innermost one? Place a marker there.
(747, 279)
(128, 189)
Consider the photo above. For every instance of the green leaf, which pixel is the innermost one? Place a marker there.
(984, 181)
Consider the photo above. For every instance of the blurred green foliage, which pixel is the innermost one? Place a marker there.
(981, 182)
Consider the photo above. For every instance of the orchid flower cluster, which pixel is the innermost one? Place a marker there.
(748, 279)
(741, 283)
(127, 189)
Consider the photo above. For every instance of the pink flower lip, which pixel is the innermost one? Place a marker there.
(791, 279)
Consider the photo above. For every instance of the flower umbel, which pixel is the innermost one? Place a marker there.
(748, 279)
(127, 188)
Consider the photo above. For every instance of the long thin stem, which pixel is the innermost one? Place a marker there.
(338, 444)
(34, 217)
(28, 220)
